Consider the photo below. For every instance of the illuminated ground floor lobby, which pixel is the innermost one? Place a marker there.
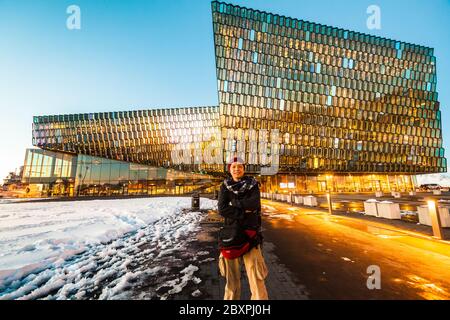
(48, 173)
(337, 183)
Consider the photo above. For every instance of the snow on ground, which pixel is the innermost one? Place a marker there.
(92, 249)
(15, 200)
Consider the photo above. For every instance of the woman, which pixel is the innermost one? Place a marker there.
(240, 204)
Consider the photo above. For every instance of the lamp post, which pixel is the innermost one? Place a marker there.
(435, 219)
(330, 205)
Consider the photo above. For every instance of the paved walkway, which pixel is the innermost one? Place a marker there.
(281, 284)
(311, 255)
(331, 255)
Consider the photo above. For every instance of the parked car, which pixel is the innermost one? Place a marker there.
(429, 187)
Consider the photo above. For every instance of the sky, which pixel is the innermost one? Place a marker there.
(145, 54)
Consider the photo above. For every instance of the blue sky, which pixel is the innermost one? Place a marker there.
(146, 54)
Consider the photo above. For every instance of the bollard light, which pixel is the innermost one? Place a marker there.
(195, 203)
(330, 205)
(435, 219)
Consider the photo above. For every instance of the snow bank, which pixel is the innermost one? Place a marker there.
(38, 242)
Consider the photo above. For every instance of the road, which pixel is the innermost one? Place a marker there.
(330, 255)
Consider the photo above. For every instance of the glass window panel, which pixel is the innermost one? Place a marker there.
(252, 35)
(255, 57)
(115, 172)
(95, 170)
(105, 171)
(240, 43)
(124, 171)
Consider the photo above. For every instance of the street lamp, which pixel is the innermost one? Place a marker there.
(435, 219)
(330, 205)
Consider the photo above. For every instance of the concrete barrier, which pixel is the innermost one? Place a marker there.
(425, 219)
(370, 207)
(290, 198)
(444, 214)
(388, 210)
(298, 199)
(310, 201)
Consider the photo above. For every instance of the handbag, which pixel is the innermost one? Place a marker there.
(235, 241)
(232, 235)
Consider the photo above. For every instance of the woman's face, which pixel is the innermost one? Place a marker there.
(237, 170)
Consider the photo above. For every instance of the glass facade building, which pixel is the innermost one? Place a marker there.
(147, 137)
(132, 152)
(332, 108)
(342, 101)
(63, 174)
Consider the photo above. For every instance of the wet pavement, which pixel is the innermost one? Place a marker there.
(330, 255)
(352, 205)
(281, 283)
(311, 255)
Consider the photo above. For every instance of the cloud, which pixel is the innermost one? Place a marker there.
(443, 179)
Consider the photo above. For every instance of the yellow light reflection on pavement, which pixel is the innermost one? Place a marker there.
(421, 263)
(428, 290)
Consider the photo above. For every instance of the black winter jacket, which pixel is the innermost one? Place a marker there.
(245, 207)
